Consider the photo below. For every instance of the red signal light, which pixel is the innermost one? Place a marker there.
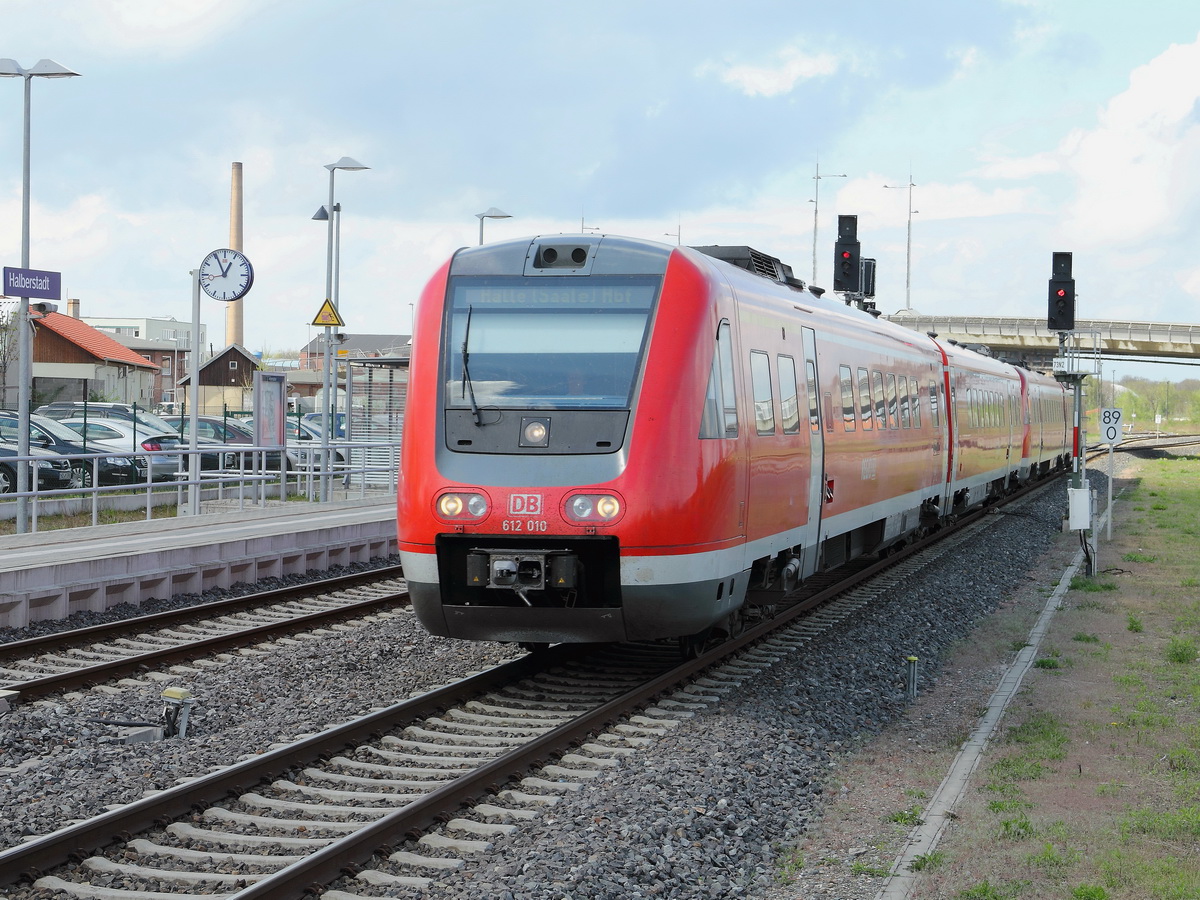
(845, 254)
(1061, 292)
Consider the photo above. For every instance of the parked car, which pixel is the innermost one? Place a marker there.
(314, 419)
(126, 437)
(49, 434)
(303, 443)
(53, 471)
(224, 429)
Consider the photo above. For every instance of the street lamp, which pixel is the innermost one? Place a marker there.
(908, 243)
(492, 213)
(816, 210)
(9, 68)
(349, 165)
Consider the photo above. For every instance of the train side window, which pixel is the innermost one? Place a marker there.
(933, 405)
(719, 418)
(880, 399)
(902, 382)
(789, 400)
(764, 400)
(864, 400)
(916, 402)
(893, 419)
(848, 414)
(814, 417)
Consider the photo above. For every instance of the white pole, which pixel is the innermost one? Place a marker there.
(194, 401)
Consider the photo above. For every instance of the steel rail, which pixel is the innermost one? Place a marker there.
(93, 674)
(172, 616)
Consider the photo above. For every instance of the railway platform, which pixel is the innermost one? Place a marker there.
(52, 574)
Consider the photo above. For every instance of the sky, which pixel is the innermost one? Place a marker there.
(1025, 127)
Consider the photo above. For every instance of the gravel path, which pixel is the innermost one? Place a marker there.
(713, 809)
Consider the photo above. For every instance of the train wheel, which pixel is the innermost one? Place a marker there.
(692, 645)
(735, 623)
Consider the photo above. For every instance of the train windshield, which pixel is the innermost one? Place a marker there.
(546, 342)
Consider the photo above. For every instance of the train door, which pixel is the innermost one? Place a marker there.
(816, 451)
(950, 430)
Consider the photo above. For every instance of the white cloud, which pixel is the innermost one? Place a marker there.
(794, 65)
(117, 27)
(1131, 167)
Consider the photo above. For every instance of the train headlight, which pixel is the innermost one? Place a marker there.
(458, 506)
(535, 431)
(594, 509)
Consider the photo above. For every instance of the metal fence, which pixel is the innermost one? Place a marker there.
(243, 477)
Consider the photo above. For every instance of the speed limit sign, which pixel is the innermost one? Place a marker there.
(1110, 426)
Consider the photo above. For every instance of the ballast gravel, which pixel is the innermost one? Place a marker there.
(708, 810)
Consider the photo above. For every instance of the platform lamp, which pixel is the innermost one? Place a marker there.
(492, 213)
(10, 68)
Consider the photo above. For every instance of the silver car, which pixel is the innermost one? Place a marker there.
(126, 437)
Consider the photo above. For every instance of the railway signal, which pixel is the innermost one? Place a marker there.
(1060, 314)
(847, 260)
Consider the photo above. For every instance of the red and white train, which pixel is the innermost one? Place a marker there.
(613, 439)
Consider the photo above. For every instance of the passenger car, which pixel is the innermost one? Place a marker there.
(53, 471)
(224, 430)
(303, 446)
(125, 437)
(49, 434)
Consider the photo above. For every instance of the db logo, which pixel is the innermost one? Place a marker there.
(525, 505)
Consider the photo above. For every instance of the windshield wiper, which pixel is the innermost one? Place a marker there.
(468, 388)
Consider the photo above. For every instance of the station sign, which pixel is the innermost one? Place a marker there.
(32, 284)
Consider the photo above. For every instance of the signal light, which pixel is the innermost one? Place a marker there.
(847, 267)
(1060, 315)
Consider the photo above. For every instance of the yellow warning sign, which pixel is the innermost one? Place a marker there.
(329, 316)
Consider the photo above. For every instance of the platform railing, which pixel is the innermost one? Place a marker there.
(237, 477)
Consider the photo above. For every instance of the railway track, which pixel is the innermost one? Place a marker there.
(384, 792)
(72, 659)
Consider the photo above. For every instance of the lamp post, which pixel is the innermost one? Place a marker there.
(908, 242)
(349, 165)
(492, 213)
(816, 202)
(9, 68)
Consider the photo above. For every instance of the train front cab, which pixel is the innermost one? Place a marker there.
(537, 512)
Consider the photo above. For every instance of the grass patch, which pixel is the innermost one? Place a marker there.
(1085, 638)
(1166, 825)
(1134, 623)
(1053, 861)
(1017, 829)
(910, 817)
(985, 890)
(1181, 651)
(1090, 585)
(1139, 558)
(926, 861)
(84, 519)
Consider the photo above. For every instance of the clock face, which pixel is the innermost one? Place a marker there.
(226, 275)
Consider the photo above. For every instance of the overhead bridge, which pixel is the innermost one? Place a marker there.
(1029, 340)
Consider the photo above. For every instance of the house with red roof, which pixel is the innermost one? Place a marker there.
(74, 361)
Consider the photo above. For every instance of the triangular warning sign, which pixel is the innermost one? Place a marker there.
(329, 316)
